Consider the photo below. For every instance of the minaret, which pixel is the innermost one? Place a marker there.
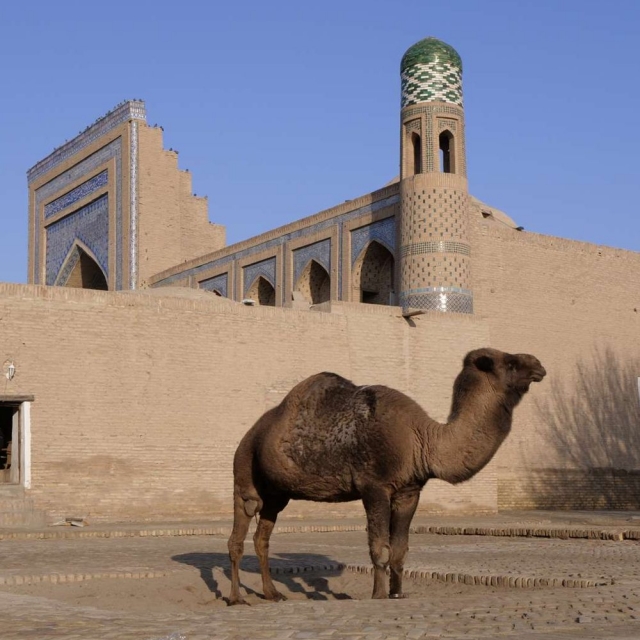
(433, 229)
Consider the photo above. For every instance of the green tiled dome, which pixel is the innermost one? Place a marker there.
(428, 51)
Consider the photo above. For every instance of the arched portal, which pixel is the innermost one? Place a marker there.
(86, 274)
(262, 292)
(373, 275)
(314, 283)
(447, 152)
(416, 144)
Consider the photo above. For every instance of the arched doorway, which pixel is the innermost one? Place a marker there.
(373, 275)
(86, 274)
(262, 292)
(314, 283)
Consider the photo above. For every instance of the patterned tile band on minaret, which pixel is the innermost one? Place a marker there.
(434, 254)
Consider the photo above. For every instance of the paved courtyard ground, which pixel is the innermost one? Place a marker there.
(522, 575)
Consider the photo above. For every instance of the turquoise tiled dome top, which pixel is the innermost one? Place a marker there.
(430, 50)
(431, 70)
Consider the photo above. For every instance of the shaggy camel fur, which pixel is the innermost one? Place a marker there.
(331, 441)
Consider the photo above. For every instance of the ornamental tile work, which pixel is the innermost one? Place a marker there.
(264, 268)
(432, 82)
(85, 189)
(318, 251)
(219, 283)
(383, 231)
(133, 207)
(72, 260)
(60, 184)
(441, 246)
(431, 135)
(89, 225)
(444, 299)
(130, 110)
(283, 239)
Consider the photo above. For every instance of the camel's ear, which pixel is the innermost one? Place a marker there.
(484, 363)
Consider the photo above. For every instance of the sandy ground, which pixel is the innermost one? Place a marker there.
(187, 592)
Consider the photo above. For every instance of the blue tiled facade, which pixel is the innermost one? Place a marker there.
(89, 225)
(73, 196)
(130, 110)
(383, 231)
(264, 268)
(318, 251)
(60, 183)
(323, 254)
(219, 283)
(56, 195)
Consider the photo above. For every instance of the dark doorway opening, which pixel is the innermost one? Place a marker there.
(8, 449)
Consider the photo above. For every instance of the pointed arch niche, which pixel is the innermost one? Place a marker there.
(447, 150)
(82, 271)
(262, 292)
(314, 283)
(372, 275)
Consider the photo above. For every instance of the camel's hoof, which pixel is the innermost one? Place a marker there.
(276, 597)
(397, 596)
(237, 601)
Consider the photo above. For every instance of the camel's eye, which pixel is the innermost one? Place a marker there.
(512, 365)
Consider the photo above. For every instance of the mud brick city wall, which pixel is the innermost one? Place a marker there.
(142, 398)
(577, 307)
(174, 224)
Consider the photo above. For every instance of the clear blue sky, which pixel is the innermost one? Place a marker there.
(284, 108)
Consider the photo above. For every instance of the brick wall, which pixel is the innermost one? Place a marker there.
(577, 307)
(173, 223)
(142, 398)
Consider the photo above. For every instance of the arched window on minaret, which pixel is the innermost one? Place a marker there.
(447, 152)
(416, 144)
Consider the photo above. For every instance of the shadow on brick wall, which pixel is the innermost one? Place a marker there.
(592, 425)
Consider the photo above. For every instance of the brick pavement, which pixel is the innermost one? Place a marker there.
(134, 559)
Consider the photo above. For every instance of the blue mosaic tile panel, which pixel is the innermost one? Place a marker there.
(130, 110)
(68, 267)
(318, 251)
(80, 192)
(219, 283)
(279, 241)
(60, 184)
(90, 225)
(443, 299)
(133, 208)
(384, 231)
(265, 268)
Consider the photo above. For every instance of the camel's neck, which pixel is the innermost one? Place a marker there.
(457, 450)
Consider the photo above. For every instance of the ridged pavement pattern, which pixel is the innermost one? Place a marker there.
(532, 577)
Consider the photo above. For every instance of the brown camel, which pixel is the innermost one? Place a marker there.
(331, 441)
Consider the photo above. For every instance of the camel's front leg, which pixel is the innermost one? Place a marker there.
(378, 508)
(268, 516)
(403, 506)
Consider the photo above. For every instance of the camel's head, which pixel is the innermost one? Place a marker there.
(506, 371)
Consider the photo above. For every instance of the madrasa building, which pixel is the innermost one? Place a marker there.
(143, 347)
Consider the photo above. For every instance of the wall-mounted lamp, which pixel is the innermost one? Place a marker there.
(11, 371)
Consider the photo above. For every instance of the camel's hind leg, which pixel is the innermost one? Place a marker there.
(243, 511)
(403, 506)
(377, 506)
(268, 515)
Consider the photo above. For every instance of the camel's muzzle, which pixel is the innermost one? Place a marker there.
(537, 376)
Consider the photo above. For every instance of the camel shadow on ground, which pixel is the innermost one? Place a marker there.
(312, 583)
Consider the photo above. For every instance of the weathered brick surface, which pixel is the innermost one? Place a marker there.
(174, 224)
(141, 400)
(576, 306)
